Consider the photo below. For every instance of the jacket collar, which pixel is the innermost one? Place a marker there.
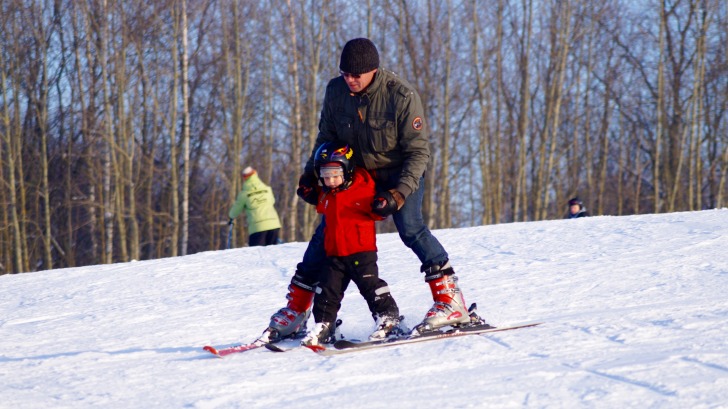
(375, 85)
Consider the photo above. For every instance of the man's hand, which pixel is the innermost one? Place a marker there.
(307, 188)
(387, 202)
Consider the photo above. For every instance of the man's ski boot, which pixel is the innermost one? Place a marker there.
(449, 308)
(290, 321)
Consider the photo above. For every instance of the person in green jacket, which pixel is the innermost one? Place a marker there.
(257, 199)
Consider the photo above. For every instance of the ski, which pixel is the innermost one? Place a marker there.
(276, 348)
(222, 352)
(314, 348)
(345, 346)
(473, 327)
(263, 340)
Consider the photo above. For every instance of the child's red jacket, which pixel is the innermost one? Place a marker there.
(348, 216)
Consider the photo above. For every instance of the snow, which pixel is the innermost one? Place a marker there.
(635, 313)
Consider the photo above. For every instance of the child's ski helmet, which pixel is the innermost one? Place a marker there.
(335, 152)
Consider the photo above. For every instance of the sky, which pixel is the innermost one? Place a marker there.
(634, 312)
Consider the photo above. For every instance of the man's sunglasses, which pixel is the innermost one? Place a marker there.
(350, 75)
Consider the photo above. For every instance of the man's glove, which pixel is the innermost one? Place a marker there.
(231, 222)
(387, 202)
(307, 188)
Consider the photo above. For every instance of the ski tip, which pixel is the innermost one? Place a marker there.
(316, 348)
(211, 350)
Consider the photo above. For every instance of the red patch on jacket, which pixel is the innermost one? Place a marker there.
(417, 124)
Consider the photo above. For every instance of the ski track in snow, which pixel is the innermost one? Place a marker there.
(635, 315)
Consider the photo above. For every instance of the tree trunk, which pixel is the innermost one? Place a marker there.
(562, 47)
(295, 119)
(173, 159)
(313, 108)
(660, 111)
(520, 206)
(185, 133)
(444, 218)
(12, 139)
(40, 105)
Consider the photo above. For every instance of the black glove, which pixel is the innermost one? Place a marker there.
(387, 202)
(307, 188)
(231, 222)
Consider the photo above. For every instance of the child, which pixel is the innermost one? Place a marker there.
(576, 209)
(350, 243)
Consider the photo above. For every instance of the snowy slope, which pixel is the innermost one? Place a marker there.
(635, 311)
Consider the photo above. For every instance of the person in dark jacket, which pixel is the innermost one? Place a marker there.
(350, 244)
(576, 209)
(381, 116)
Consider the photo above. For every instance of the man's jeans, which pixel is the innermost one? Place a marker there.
(412, 230)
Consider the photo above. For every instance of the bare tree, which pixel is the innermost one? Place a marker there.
(520, 202)
(12, 140)
(173, 150)
(560, 26)
(38, 78)
(295, 117)
(314, 40)
(185, 130)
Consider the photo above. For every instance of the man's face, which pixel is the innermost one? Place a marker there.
(358, 82)
(574, 209)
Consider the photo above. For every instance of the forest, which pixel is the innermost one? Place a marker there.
(125, 125)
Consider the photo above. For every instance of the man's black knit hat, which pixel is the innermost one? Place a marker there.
(360, 55)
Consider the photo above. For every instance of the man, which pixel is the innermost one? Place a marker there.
(576, 209)
(257, 199)
(381, 117)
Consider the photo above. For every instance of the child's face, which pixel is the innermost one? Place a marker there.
(333, 176)
(333, 182)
